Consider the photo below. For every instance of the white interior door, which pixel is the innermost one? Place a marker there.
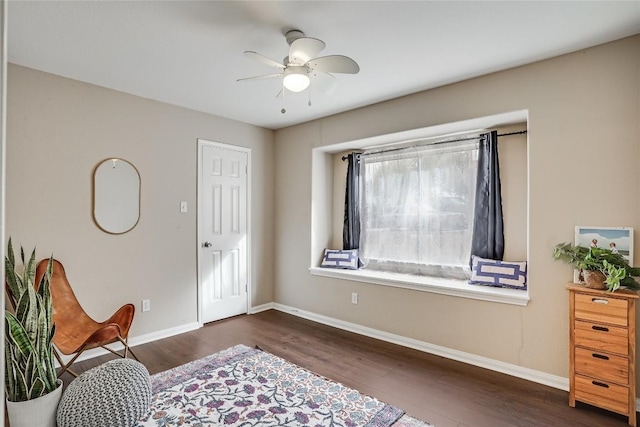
(223, 232)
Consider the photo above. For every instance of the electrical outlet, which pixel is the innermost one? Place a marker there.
(146, 305)
(354, 298)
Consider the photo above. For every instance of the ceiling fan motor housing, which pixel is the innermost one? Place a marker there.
(293, 35)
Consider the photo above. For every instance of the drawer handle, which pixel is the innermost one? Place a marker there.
(600, 328)
(599, 384)
(600, 300)
(600, 356)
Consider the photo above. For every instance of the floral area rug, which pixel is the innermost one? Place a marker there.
(242, 386)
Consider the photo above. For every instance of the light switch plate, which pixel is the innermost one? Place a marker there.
(183, 207)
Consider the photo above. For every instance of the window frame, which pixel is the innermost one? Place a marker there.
(322, 210)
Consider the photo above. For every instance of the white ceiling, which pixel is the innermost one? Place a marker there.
(190, 53)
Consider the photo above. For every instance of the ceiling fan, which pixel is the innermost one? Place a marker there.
(302, 65)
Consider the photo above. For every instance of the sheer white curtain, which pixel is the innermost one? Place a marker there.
(417, 209)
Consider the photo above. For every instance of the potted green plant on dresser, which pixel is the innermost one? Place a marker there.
(32, 388)
(601, 268)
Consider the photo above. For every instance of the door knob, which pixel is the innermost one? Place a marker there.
(207, 244)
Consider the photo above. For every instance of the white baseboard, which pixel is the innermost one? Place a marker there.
(133, 341)
(261, 307)
(472, 359)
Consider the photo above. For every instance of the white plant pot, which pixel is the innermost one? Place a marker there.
(40, 412)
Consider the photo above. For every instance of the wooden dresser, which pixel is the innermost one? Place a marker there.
(602, 353)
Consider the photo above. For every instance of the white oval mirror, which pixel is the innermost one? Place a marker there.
(116, 196)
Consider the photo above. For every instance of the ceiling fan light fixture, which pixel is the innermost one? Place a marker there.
(296, 78)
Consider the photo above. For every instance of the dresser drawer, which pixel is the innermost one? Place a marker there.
(601, 309)
(603, 394)
(601, 365)
(613, 339)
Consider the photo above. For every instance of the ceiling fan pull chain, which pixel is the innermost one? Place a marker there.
(283, 95)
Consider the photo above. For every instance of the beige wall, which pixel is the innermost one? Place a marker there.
(584, 134)
(59, 130)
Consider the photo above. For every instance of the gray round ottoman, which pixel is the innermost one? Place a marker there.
(114, 394)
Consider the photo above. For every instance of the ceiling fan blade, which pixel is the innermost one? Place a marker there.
(324, 82)
(304, 49)
(334, 64)
(261, 58)
(266, 76)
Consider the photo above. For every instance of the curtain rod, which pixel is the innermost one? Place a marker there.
(522, 132)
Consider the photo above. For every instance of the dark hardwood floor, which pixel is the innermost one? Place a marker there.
(438, 390)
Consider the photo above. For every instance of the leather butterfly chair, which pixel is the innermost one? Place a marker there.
(75, 330)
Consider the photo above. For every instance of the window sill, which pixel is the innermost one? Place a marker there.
(457, 288)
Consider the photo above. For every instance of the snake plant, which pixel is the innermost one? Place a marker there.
(29, 361)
